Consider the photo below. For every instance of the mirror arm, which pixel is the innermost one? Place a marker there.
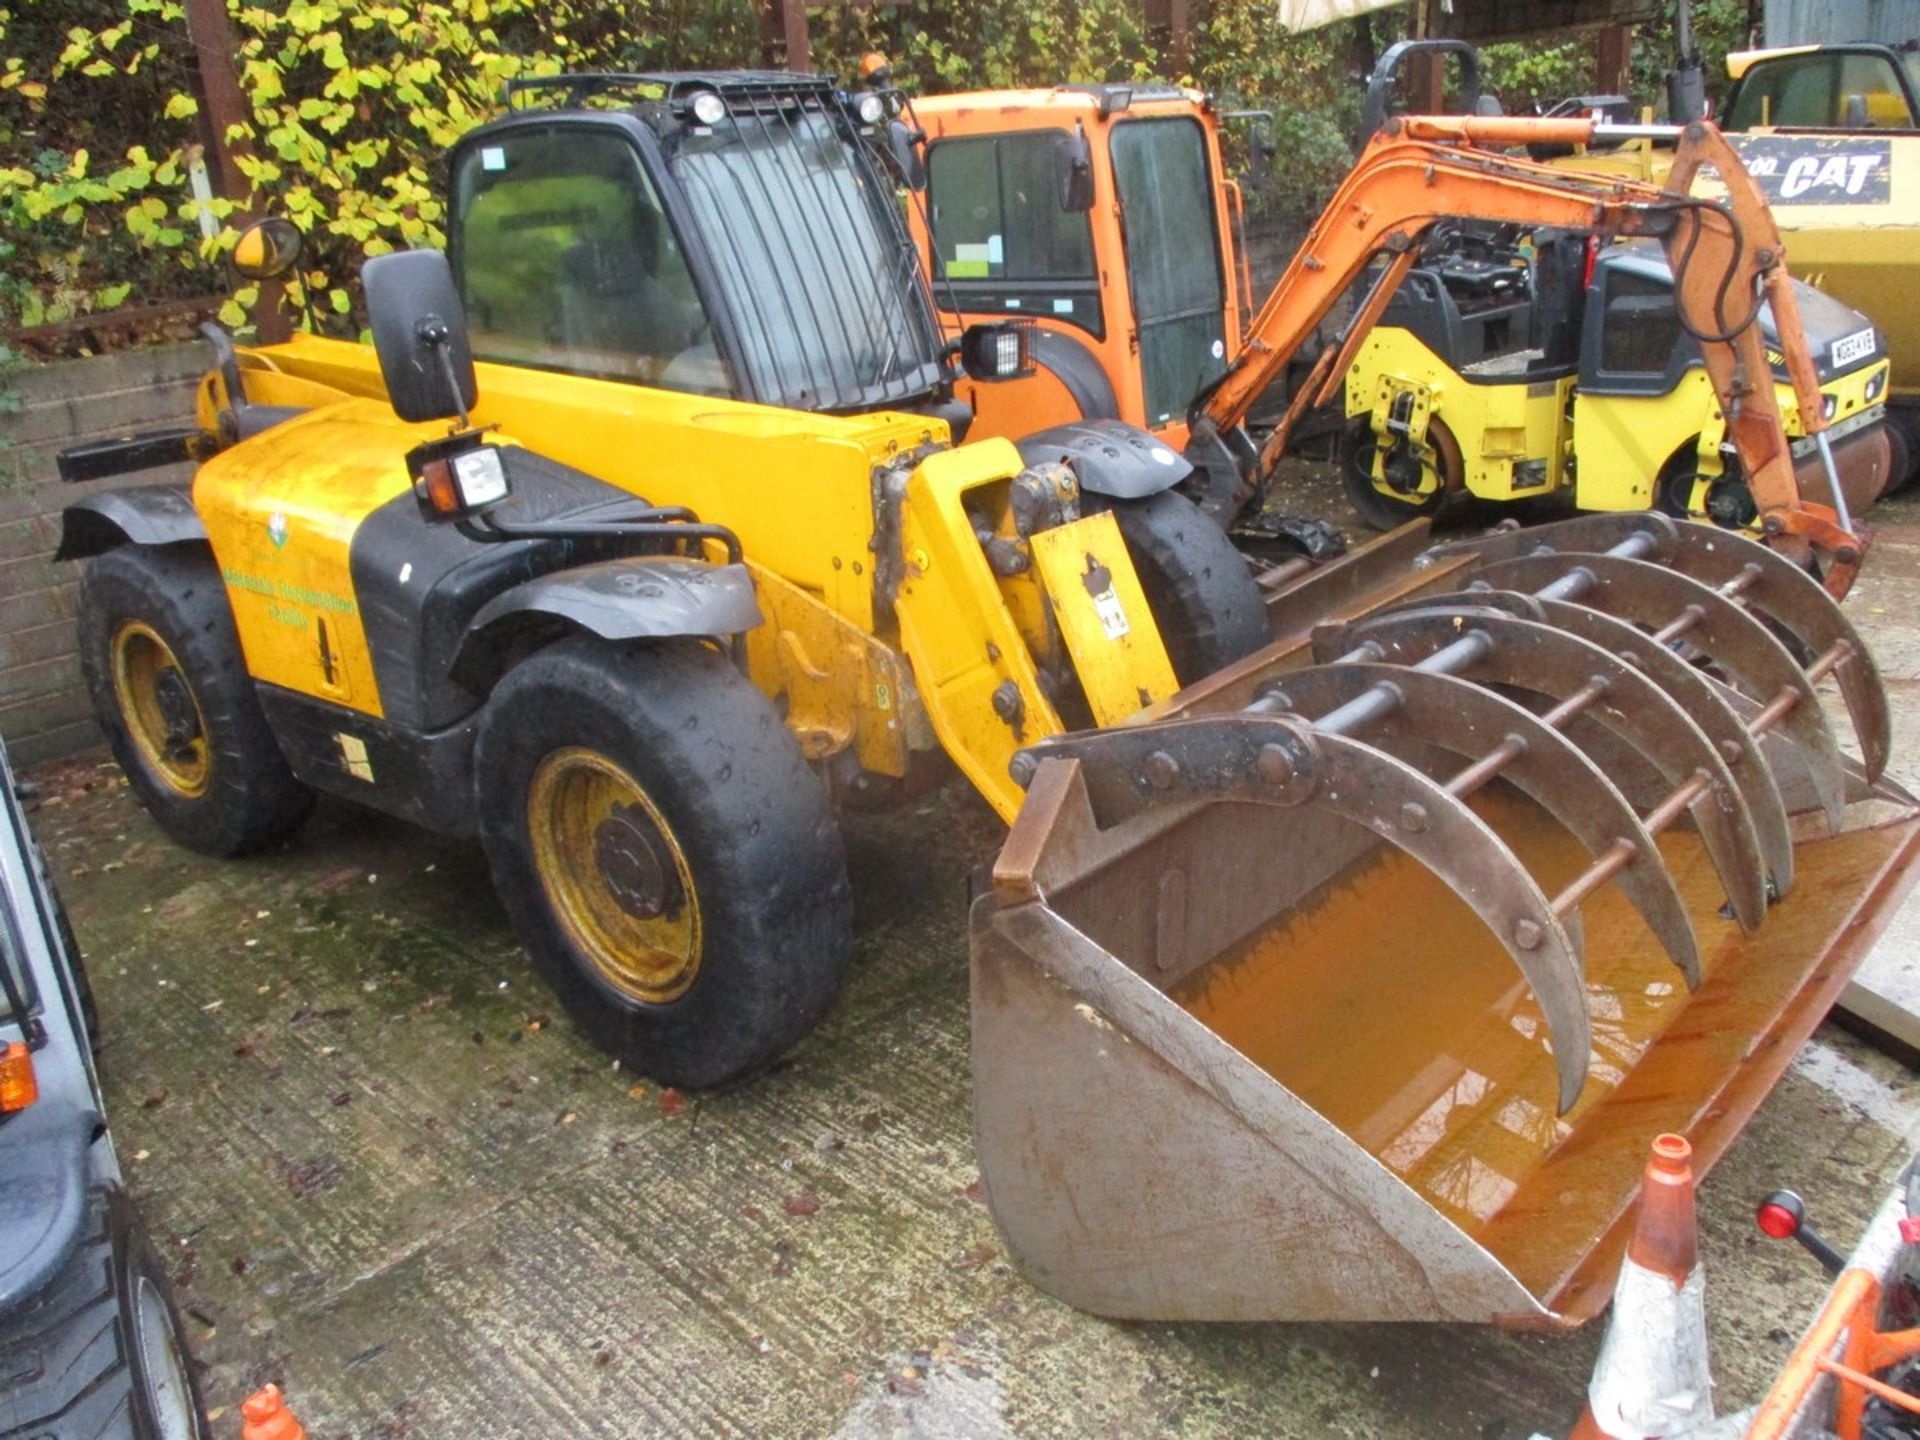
(435, 334)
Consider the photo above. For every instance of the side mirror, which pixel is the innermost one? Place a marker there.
(420, 334)
(909, 160)
(997, 350)
(1858, 116)
(1261, 147)
(266, 248)
(1073, 164)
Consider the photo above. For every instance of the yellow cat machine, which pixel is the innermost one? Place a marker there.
(1102, 213)
(421, 575)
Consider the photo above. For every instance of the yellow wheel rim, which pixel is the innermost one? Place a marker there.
(160, 711)
(615, 874)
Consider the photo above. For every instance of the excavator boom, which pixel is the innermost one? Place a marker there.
(1727, 259)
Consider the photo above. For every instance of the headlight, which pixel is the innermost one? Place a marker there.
(1876, 385)
(709, 108)
(997, 350)
(1828, 404)
(871, 109)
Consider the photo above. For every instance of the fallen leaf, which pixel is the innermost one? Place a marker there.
(801, 1202)
(672, 1102)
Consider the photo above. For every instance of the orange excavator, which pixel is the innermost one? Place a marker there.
(1091, 209)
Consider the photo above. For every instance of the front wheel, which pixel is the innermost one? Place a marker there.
(1387, 508)
(665, 854)
(1197, 584)
(98, 1351)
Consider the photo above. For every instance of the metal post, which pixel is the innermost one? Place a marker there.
(783, 34)
(222, 108)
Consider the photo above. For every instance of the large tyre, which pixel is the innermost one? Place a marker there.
(1197, 584)
(667, 857)
(97, 1353)
(1388, 512)
(170, 687)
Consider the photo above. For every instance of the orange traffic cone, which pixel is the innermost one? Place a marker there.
(1651, 1378)
(267, 1417)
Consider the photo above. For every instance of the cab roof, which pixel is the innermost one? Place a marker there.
(1099, 102)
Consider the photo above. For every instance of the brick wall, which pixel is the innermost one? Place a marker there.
(43, 704)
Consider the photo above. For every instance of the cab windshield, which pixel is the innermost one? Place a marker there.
(569, 257)
(16, 988)
(815, 262)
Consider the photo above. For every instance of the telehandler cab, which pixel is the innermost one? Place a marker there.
(699, 289)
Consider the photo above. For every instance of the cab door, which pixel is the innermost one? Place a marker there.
(1643, 396)
(1174, 271)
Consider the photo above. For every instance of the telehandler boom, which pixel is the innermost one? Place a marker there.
(420, 575)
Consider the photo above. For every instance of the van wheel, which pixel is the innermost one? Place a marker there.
(1197, 584)
(1385, 510)
(170, 687)
(97, 1350)
(667, 857)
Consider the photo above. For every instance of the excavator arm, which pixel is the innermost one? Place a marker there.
(1727, 259)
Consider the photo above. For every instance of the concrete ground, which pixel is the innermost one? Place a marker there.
(387, 1173)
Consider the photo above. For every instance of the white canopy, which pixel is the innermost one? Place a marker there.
(1312, 14)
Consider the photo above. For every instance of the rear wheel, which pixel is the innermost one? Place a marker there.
(170, 687)
(1388, 509)
(1197, 584)
(667, 857)
(1900, 466)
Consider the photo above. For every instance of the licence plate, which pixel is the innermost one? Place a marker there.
(1849, 348)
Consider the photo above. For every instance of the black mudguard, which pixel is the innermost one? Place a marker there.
(1109, 457)
(1078, 369)
(634, 599)
(142, 515)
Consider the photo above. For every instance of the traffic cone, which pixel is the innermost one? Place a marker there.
(1651, 1378)
(267, 1417)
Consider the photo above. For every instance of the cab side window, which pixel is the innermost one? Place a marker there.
(567, 262)
(1001, 240)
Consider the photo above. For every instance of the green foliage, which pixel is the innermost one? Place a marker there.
(350, 105)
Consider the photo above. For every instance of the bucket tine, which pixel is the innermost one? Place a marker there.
(1794, 600)
(1468, 720)
(1644, 534)
(1739, 568)
(1679, 608)
(1716, 710)
(1582, 678)
(1270, 760)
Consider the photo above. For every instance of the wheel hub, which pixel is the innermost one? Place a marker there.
(637, 873)
(177, 712)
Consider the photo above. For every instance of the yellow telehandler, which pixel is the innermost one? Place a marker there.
(420, 574)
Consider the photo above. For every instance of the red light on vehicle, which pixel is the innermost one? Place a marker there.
(436, 479)
(18, 1088)
(1781, 1215)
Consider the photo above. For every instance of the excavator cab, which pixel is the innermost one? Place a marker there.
(1136, 301)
